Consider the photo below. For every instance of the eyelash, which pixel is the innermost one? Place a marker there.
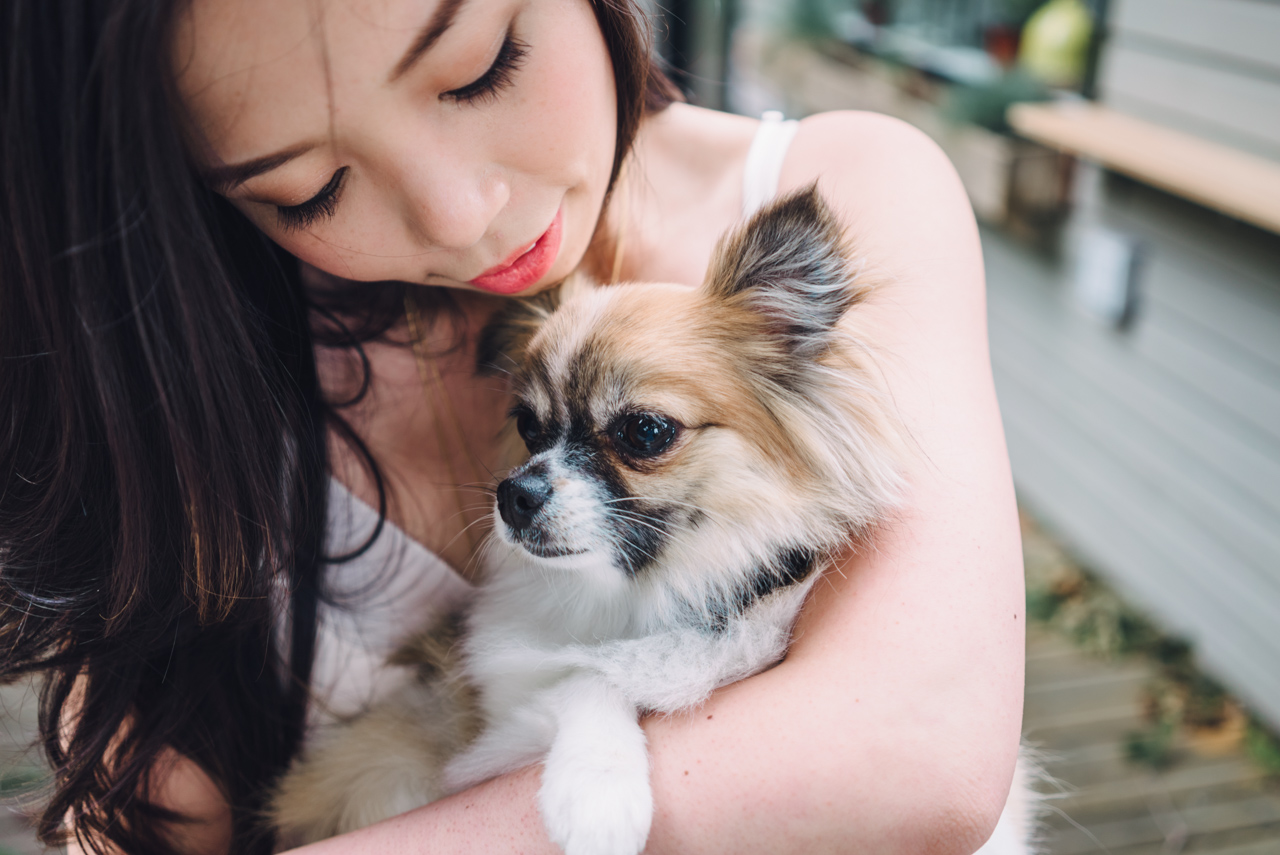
(500, 75)
(319, 206)
(485, 88)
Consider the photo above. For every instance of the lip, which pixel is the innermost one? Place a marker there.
(524, 267)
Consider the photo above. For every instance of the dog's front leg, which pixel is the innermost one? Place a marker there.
(678, 669)
(595, 795)
(519, 739)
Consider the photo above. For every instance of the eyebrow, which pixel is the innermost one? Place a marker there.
(428, 36)
(226, 178)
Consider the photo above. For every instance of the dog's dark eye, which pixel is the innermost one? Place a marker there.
(644, 435)
(527, 426)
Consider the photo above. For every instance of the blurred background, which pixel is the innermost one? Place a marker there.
(1123, 160)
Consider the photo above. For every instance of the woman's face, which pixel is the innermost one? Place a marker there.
(445, 142)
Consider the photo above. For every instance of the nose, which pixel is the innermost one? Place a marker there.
(450, 202)
(519, 499)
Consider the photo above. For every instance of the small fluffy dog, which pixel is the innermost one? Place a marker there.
(696, 457)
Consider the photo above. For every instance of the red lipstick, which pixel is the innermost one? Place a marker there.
(525, 266)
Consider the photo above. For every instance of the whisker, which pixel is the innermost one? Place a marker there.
(644, 521)
(696, 507)
(638, 548)
(467, 528)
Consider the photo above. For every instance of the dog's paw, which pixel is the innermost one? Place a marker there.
(597, 802)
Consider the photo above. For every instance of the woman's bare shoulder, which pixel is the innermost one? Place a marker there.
(895, 189)
(845, 143)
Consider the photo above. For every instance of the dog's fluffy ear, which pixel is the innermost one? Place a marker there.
(789, 264)
(504, 339)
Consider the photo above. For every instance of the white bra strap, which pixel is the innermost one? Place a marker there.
(764, 160)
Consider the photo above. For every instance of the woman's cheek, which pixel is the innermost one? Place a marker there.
(353, 245)
(566, 108)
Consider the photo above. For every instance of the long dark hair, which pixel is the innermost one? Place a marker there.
(162, 464)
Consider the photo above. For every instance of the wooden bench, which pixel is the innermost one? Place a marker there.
(1220, 177)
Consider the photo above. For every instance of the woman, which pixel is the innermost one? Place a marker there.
(182, 385)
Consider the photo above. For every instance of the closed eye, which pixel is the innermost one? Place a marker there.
(319, 207)
(499, 76)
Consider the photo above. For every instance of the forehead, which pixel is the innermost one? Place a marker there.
(252, 73)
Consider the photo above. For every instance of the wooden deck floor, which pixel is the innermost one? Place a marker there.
(1079, 710)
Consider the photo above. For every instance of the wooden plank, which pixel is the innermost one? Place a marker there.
(1119, 781)
(1195, 819)
(1095, 693)
(1151, 424)
(1124, 528)
(1211, 102)
(1026, 299)
(1213, 280)
(1099, 802)
(1243, 391)
(1270, 845)
(1221, 318)
(1236, 31)
(1126, 675)
(1236, 183)
(1223, 531)
(1090, 381)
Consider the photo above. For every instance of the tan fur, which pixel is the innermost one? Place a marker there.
(387, 760)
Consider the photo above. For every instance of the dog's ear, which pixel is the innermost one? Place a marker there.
(789, 264)
(502, 342)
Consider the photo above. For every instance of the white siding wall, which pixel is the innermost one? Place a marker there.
(1156, 451)
(1211, 67)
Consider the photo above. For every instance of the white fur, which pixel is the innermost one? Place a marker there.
(563, 678)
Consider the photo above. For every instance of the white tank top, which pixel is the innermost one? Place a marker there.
(764, 160)
(380, 599)
(398, 585)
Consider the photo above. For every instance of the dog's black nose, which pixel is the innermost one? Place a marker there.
(520, 497)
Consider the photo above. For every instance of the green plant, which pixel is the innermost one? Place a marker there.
(986, 105)
(1263, 747)
(814, 19)
(20, 780)
(1152, 747)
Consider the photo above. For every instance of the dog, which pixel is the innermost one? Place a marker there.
(696, 458)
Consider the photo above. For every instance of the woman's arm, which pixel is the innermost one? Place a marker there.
(893, 724)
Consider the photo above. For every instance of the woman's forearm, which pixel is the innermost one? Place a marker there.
(500, 816)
